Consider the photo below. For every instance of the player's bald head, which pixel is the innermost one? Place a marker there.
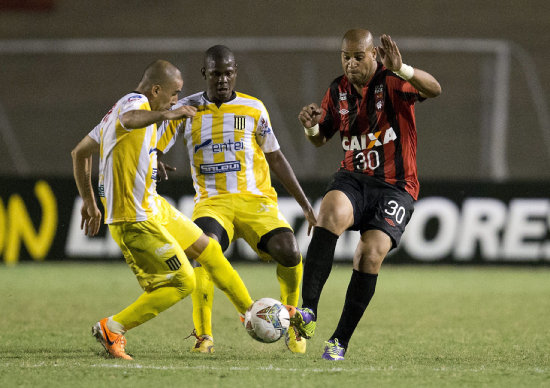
(160, 72)
(218, 54)
(358, 36)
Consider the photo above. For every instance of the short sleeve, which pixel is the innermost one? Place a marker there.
(403, 90)
(133, 101)
(167, 134)
(168, 131)
(265, 136)
(95, 134)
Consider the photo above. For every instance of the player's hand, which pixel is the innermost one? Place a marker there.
(389, 53)
(184, 111)
(310, 217)
(162, 170)
(310, 115)
(91, 218)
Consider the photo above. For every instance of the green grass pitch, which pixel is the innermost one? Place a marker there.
(426, 326)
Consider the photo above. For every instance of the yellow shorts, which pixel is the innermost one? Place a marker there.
(243, 216)
(152, 249)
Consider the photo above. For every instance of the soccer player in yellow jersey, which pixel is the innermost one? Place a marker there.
(232, 147)
(154, 237)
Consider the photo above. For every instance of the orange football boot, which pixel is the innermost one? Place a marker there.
(113, 343)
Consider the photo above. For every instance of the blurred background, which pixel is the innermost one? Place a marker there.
(64, 63)
(55, 88)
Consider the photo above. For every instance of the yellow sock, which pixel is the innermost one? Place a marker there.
(224, 276)
(289, 281)
(149, 305)
(203, 296)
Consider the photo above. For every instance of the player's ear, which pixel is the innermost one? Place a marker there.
(203, 72)
(155, 90)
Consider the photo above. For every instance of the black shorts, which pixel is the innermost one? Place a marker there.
(376, 204)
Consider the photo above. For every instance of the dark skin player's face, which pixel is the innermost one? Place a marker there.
(221, 77)
(358, 61)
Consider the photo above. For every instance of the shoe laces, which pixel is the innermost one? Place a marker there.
(193, 334)
(333, 347)
(199, 339)
(296, 333)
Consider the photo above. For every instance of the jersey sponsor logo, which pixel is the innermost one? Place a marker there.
(154, 174)
(216, 168)
(221, 147)
(356, 143)
(344, 111)
(228, 146)
(203, 144)
(240, 122)
(173, 263)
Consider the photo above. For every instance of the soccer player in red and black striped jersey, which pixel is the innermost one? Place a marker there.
(372, 107)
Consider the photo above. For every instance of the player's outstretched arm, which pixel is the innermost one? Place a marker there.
(135, 119)
(82, 170)
(390, 56)
(309, 116)
(283, 171)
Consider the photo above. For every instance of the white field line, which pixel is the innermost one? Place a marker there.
(273, 368)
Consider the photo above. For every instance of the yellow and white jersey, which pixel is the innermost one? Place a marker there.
(127, 164)
(225, 144)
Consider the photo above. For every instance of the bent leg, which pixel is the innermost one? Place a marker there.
(149, 305)
(161, 267)
(369, 255)
(335, 216)
(209, 254)
(283, 248)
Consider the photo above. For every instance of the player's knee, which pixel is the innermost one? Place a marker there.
(184, 284)
(369, 259)
(284, 250)
(287, 258)
(336, 221)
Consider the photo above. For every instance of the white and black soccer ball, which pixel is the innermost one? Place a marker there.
(267, 320)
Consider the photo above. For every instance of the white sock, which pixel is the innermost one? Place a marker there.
(114, 326)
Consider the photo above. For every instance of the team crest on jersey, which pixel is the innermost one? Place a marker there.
(240, 122)
(263, 128)
(343, 96)
(379, 97)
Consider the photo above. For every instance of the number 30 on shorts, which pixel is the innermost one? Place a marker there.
(395, 210)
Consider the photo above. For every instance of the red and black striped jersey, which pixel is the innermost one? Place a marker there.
(377, 128)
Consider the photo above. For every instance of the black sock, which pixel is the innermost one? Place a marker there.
(317, 266)
(360, 291)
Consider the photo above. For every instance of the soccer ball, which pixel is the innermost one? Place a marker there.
(267, 320)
